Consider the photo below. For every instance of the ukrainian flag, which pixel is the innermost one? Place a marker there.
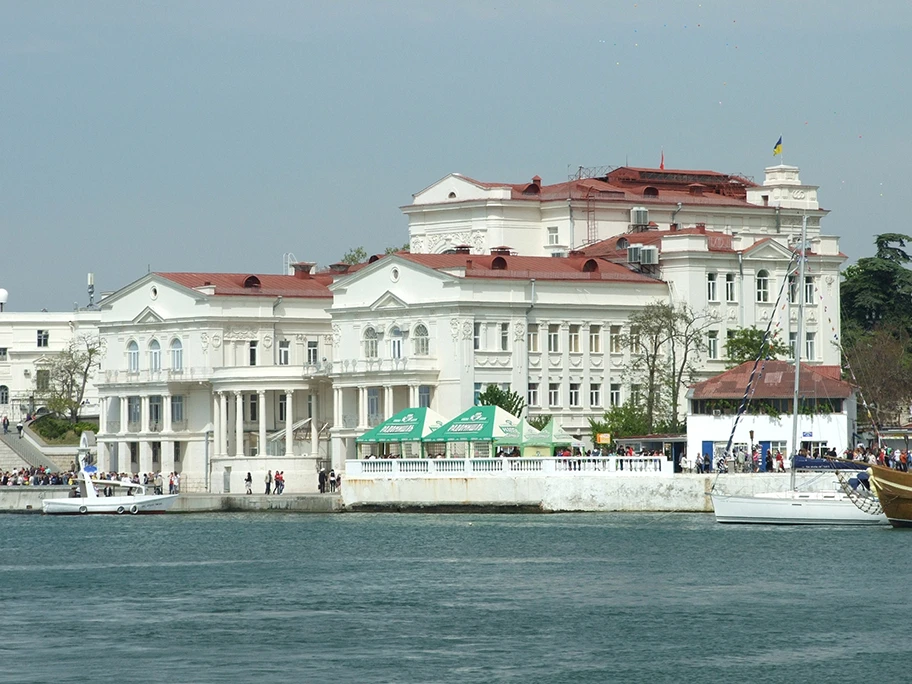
(777, 148)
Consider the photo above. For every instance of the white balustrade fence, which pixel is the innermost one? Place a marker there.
(499, 467)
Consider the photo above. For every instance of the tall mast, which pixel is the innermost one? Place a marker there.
(799, 342)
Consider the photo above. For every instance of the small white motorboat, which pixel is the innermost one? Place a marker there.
(131, 498)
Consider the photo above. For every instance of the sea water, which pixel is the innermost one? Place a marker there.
(449, 598)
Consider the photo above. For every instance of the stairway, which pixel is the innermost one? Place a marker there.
(9, 459)
(27, 453)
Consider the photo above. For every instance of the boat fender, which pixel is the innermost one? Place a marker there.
(120, 510)
(134, 509)
(83, 509)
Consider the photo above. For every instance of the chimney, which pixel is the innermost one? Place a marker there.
(536, 181)
(339, 267)
(701, 227)
(302, 269)
(468, 264)
(462, 249)
(673, 227)
(501, 251)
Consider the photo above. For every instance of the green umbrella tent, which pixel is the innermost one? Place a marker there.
(531, 442)
(410, 425)
(555, 436)
(478, 424)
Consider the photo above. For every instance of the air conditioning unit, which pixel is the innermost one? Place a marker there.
(716, 413)
(649, 255)
(639, 216)
(633, 254)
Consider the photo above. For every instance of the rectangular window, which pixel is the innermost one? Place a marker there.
(810, 348)
(711, 287)
(312, 351)
(43, 379)
(553, 235)
(634, 340)
(134, 410)
(595, 394)
(476, 337)
(253, 408)
(533, 337)
(533, 394)
(177, 409)
(370, 344)
(595, 339)
(3, 356)
(395, 348)
(553, 338)
(574, 394)
(635, 394)
(810, 292)
(574, 340)
(310, 405)
(476, 393)
(616, 341)
(424, 396)
(177, 356)
(43, 338)
(155, 359)
(284, 352)
(730, 288)
(504, 337)
(554, 394)
(155, 412)
(712, 344)
(793, 289)
(762, 286)
(373, 405)
(614, 395)
(282, 404)
(793, 343)
(253, 352)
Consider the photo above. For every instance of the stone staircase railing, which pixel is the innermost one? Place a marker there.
(27, 451)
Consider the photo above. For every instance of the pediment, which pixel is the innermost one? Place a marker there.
(388, 301)
(768, 250)
(147, 316)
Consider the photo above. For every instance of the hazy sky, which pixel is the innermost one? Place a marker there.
(217, 135)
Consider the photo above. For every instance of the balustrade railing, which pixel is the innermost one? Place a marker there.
(496, 467)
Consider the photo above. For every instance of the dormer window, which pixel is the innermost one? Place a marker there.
(650, 192)
(252, 282)
(452, 195)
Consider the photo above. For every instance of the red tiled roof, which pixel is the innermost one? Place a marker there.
(776, 382)
(717, 241)
(271, 285)
(526, 267)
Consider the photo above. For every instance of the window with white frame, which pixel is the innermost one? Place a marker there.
(533, 394)
(421, 340)
(595, 339)
(395, 343)
(730, 288)
(252, 352)
(253, 407)
(554, 394)
(763, 285)
(504, 337)
(614, 394)
(133, 356)
(3, 354)
(553, 235)
(574, 339)
(553, 338)
(533, 337)
(177, 355)
(476, 336)
(43, 338)
(793, 289)
(313, 351)
(282, 405)
(711, 293)
(712, 344)
(177, 408)
(810, 292)
(284, 352)
(616, 341)
(574, 394)
(476, 393)
(424, 396)
(43, 379)
(595, 394)
(370, 344)
(134, 410)
(373, 404)
(634, 340)
(793, 343)
(155, 357)
(810, 346)
(635, 394)
(4, 395)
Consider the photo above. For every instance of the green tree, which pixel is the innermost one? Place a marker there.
(355, 256)
(69, 374)
(508, 400)
(627, 420)
(393, 250)
(747, 344)
(877, 291)
(881, 365)
(538, 422)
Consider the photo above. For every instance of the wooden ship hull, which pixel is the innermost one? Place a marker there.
(894, 490)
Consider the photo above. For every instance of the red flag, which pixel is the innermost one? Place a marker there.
(662, 163)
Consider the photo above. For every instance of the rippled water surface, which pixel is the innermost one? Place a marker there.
(449, 598)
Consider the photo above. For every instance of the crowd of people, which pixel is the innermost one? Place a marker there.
(40, 476)
(329, 482)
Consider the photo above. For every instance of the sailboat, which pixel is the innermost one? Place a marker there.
(838, 505)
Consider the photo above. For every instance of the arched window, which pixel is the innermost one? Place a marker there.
(370, 344)
(177, 355)
(155, 356)
(421, 340)
(133, 356)
(762, 286)
(4, 395)
(396, 343)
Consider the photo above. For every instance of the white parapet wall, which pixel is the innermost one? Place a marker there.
(606, 484)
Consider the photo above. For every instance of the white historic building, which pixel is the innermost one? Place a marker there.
(28, 344)
(215, 375)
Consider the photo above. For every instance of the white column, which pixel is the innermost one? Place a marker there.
(216, 425)
(166, 412)
(413, 396)
(362, 407)
(289, 412)
(261, 415)
(144, 414)
(314, 433)
(103, 415)
(223, 416)
(238, 424)
(123, 413)
(387, 401)
(336, 417)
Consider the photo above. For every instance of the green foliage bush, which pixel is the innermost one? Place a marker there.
(55, 429)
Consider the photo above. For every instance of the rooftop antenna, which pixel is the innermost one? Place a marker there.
(91, 291)
(287, 260)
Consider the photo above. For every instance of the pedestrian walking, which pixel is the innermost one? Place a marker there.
(321, 480)
(19, 427)
(269, 482)
(5, 425)
(248, 483)
(332, 481)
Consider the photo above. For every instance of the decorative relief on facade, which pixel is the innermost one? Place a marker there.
(239, 334)
(812, 316)
(519, 331)
(534, 361)
(467, 330)
(793, 315)
(454, 328)
(417, 245)
(204, 340)
(328, 339)
(478, 242)
(555, 361)
(216, 341)
(576, 361)
(267, 341)
(337, 335)
(596, 361)
(764, 315)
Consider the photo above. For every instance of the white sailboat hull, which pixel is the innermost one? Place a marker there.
(793, 508)
(148, 503)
